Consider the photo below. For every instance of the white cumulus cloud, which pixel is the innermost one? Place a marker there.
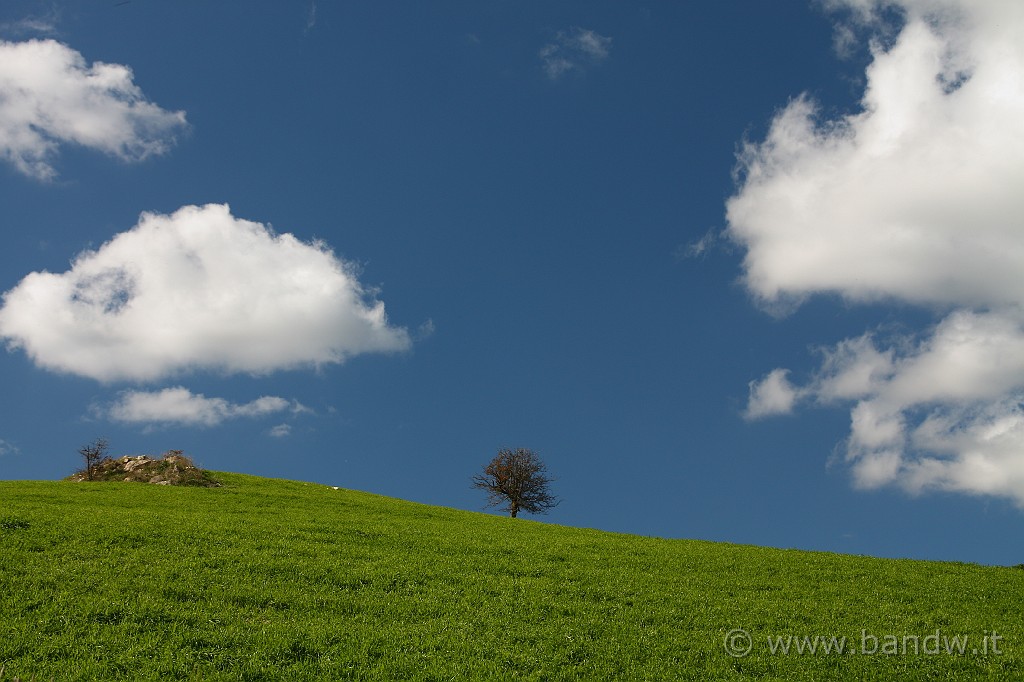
(914, 198)
(196, 289)
(574, 50)
(179, 405)
(772, 395)
(49, 96)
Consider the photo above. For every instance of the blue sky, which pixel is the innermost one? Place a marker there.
(738, 271)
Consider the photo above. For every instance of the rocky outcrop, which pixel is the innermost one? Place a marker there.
(173, 468)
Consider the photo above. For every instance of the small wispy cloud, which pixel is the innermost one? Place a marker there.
(311, 16)
(32, 26)
(701, 247)
(281, 431)
(7, 448)
(425, 330)
(574, 50)
(772, 395)
(180, 406)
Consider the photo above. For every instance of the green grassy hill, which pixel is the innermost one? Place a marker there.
(269, 579)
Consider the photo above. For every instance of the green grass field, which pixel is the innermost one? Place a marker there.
(268, 579)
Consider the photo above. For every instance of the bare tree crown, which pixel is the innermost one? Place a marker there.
(93, 453)
(517, 480)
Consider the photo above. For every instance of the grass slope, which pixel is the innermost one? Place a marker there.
(269, 579)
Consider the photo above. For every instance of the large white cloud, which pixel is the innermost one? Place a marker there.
(914, 198)
(197, 289)
(50, 96)
(179, 405)
(943, 410)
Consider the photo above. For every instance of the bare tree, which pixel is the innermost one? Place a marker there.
(93, 453)
(518, 480)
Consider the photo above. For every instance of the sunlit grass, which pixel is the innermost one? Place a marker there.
(269, 579)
